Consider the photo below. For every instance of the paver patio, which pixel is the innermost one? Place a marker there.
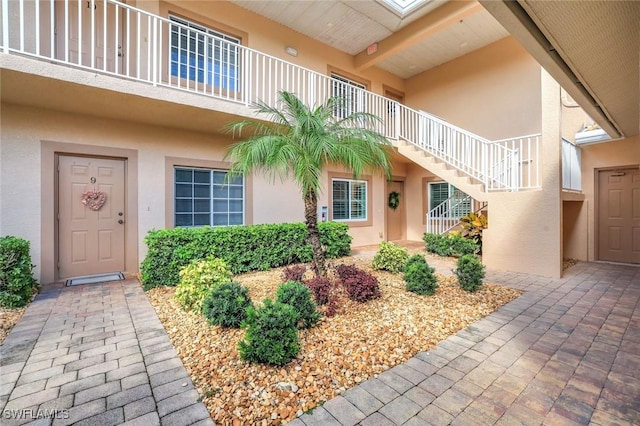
(566, 352)
(94, 354)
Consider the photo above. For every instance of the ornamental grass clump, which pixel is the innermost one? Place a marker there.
(272, 334)
(198, 278)
(418, 276)
(470, 272)
(226, 305)
(360, 285)
(390, 257)
(298, 296)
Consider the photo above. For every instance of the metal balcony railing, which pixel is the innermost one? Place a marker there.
(109, 37)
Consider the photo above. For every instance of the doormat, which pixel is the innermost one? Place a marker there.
(93, 279)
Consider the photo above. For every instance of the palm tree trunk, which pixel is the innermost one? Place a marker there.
(313, 234)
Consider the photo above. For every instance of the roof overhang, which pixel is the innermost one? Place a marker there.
(591, 48)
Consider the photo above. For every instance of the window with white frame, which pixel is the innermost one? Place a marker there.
(203, 55)
(349, 199)
(205, 197)
(439, 192)
(350, 92)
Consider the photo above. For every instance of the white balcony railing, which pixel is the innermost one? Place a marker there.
(571, 166)
(113, 38)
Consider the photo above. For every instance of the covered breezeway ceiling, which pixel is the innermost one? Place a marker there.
(592, 48)
(430, 33)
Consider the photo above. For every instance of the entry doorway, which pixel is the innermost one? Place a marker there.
(396, 217)
(619, 215)
(91, 215)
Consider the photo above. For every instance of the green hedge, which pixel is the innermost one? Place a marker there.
(16, 279)
(450, 245)
(244, 248)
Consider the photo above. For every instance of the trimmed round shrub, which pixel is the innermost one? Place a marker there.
(16, 279)
(390, 257)
(320, 287)
(418, 276)
(198, 278)
(470, 272)
(360, 285)
(272, 334)
(298, 296)
(226, 305)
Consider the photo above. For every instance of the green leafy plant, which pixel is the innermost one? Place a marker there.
(450, 245)
(226, 305)
(321, 288)
(298, 296)
(418, 276)
(390, 257)
(244, 248)
(470, 272)
(299, 141)
(272, 334)
(360, 285)
(198, 278)
(16, 280)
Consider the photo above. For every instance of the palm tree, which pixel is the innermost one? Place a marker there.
(300, 141)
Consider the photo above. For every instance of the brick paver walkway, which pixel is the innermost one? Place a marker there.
(567, 352)
(99, 356)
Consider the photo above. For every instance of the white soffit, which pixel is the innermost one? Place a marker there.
(473, 32)
(600, 42)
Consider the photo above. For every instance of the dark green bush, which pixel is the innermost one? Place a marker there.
(360, 285)
(244, 248)
(470, 272)
(450, 245)
(16, 279)
(272, 334)
(298, 296)
(226, 305)
(418, 276)
(390, 257)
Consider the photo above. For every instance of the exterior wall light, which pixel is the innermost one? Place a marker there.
(291, 51)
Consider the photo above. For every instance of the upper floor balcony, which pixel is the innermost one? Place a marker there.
(178, 61)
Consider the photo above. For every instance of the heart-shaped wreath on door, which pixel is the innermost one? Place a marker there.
(94, 199)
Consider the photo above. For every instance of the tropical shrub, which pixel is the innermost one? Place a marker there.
(226, 305)
(320, 287)
(470, 272)
(198, 278)
(418, 276)
(272, 334)
(360, 285)
(16, 279)
(244, 248)
(294, 273)
(390, 257)
(472, 227)
(298, 296)
(450, 245)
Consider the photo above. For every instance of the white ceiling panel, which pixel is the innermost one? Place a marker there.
(352, 25)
